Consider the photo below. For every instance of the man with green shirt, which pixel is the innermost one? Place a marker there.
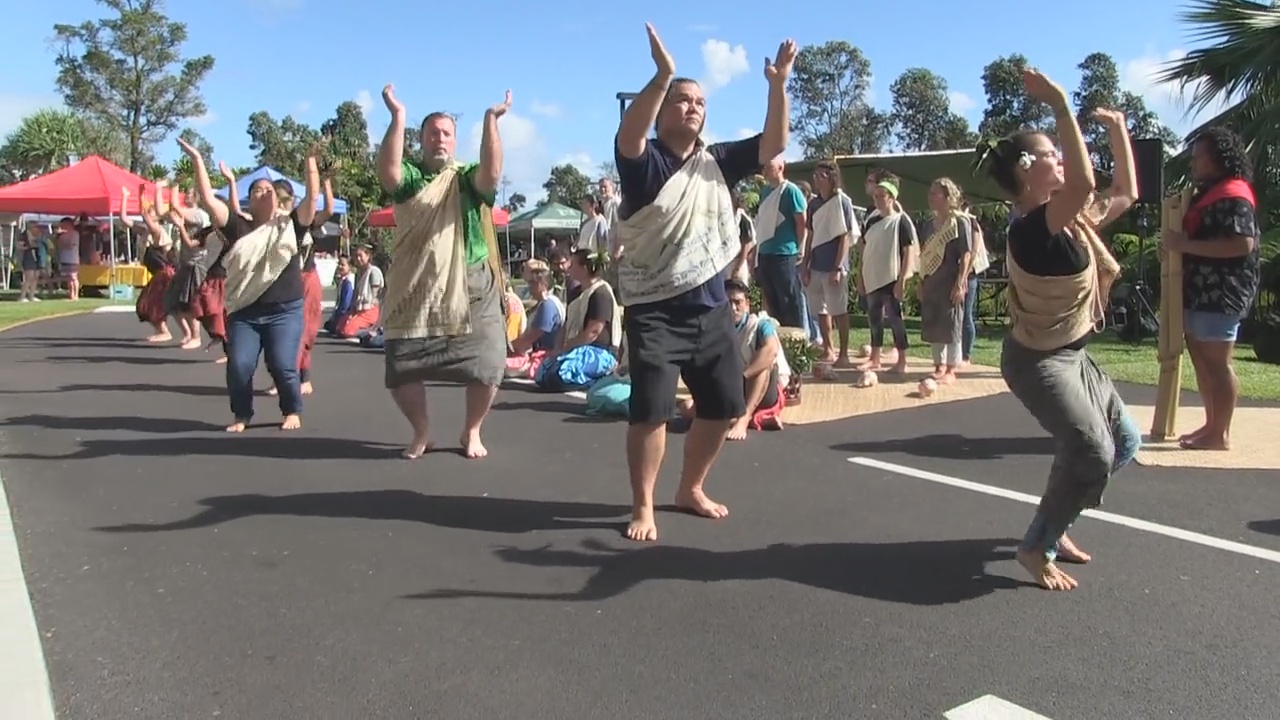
(443, 311)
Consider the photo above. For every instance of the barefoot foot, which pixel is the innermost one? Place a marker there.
(221, 361)
(642, 528)
(291, 422)
(738, 431)
(697, 502)
(160, 338)
(307, 388)
(1046, 574)
(238, 426)
(272, 391)
(1193, 435)
(472, 447)
(1206, 441)
(192, 344)
(1068, 552)
(417, 448)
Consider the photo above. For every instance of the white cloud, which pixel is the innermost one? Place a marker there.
(722, 63)
(580, 160)
(205, 120)
(545, 109)
(365, 100)
(961, 103)
(14, 107)
(1141, 76)
(793, 153)
(526, 161)
(709, 137)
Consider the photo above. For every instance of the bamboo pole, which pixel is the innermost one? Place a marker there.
(1169, 389)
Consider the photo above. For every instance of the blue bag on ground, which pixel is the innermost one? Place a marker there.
(610, 397)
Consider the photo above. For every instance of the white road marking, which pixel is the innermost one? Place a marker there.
(24, 678)
(1124, 520)
(990, 707)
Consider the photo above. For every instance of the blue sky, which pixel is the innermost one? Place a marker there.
(564, 68)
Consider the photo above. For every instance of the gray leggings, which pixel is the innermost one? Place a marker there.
(882, 308)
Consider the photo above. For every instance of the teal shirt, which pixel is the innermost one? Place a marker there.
(786, 239)
(414, 178)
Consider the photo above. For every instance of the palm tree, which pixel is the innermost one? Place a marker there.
(1238, 64)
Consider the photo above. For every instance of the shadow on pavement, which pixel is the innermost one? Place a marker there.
(485, 514)
(190, 390)
(1269, 527)
(127, 423)
(283, 446)
(913, 573)
(165, 360)
(954, 447)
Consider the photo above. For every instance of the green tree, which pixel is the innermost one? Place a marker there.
(830, 114)
(127, 73)
(1009, 108)
(282, 145)
(750, 189)
(515, 203)
(1240, 62)
(47, 139)
(348, 135)
(566, 185)
(155, 172)
(1100, 88)
(922, 114)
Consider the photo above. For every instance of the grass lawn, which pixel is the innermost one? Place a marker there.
(15, 313)
(1123, 361)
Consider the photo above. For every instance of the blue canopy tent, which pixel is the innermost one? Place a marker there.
(244, 183)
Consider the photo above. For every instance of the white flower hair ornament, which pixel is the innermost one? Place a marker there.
(1026, 160)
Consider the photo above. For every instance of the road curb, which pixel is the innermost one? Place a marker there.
(25, 690)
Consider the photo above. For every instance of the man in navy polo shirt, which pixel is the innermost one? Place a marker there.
(677, 224)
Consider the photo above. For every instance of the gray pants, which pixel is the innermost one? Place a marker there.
(1076, 403)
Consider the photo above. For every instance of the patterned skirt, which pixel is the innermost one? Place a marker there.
(151, 301)
(208, 307)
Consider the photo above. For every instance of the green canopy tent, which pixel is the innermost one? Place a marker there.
(552, 218)
(917, 170)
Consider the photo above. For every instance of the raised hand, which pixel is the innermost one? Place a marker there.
(1040, 87)
(227, 173)
(189, 150)
(779, 68)
(662, 60)
(1109, 118)
(176, 217)
(328, 186)
(389, 97)
(501, 108)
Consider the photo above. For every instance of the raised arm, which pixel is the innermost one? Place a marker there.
(633, 133)
(179, 220)
(1078, 184)
(1123, 192)
(217, 209)
(154, 230)
(777, 119)
(489, 174)
(307, 210)
(391, 151)
(323, 216)
(233, 192)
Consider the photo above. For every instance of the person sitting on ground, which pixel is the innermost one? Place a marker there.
(517, 319)
(546, 322)
(765, 372)
(366, 308)
(561, 280)
(345, 281)
(592, 329)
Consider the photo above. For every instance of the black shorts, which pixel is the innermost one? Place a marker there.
(770, 393)
(700, 344)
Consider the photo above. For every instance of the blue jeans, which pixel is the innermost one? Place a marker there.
(969, 326)
(276, 331)
(780, 287)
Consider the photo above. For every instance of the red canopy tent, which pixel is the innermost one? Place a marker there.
(92, 186)
(386, 217)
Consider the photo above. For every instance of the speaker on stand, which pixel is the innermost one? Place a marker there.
(1140, 319)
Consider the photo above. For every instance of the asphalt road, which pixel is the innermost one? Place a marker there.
(180, 573)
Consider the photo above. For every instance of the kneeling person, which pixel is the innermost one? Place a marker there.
(763, 363)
